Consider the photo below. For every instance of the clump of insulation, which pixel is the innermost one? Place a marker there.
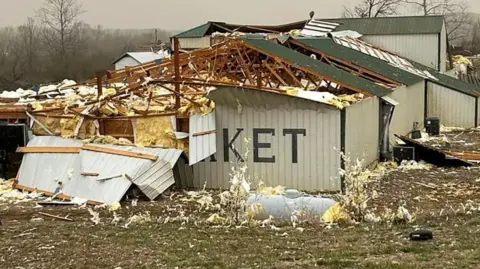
(155, 131)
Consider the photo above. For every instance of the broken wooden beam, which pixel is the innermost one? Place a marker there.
(45, 149)
(89, 174)
(55, 216)
(49, 193)
(204, 133)
(121, 152)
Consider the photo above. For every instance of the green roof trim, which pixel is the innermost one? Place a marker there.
(330, 72)
(391, 25)
(450, 82)
(330, 48)
(198, 31)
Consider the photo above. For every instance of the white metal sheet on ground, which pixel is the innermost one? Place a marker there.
(203, 145)
(159, 176)
(44, 170)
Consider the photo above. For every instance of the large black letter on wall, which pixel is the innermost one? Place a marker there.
(257, 145)
(294, 133)
(229, 145)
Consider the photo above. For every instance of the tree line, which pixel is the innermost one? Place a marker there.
(55, 44)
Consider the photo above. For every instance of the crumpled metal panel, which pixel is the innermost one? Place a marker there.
(201, 146)
(44, 170)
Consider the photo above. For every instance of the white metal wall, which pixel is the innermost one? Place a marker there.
(452, 107)
(194, 43)
(126, 61)
(420, 48)
(410, 109)
(318, 162)
(362, 130)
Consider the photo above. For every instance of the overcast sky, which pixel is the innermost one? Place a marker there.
(180, 15)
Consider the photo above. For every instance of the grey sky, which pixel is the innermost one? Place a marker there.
(179, 15)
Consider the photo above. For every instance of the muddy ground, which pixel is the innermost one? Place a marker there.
(458, 141)
(445, 201)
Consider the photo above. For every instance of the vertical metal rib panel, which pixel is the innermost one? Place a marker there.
(452, 107)
(203, 145)
(318, 162)
(409, 110)
(362, 130)
(421, 48)
(194, 42)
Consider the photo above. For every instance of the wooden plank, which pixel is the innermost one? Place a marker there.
(89, 174)
(48, 149)
(39, 123)
(120, 152)
(55, 216)
(204, 133)
(48, 193)
(274, 73)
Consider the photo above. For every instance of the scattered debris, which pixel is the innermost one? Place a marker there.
(55, 217)
(421, 235)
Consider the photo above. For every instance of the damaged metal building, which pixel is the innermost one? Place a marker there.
(283, 103)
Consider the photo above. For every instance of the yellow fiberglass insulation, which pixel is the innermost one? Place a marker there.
(87, 130)
(53, 124)
(108, 109)
(68, 126)
(182, 144)
(155, 131)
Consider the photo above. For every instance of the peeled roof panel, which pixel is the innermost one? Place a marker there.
(334, 49)
(330, 72)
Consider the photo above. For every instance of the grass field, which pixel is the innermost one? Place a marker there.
(445, 201)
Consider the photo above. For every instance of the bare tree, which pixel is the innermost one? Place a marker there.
(457, 17)
(62, 28)
(29, 39)
(372, 9)
(474, 43)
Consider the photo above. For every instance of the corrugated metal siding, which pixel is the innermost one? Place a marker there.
(202, 146)
(422, 48)
(318, 163)
(409, 110)
(43, 170)
(126, 61)
(362, 130)
(453, 108)
(159, 175)
(194, 42)
(443, 49)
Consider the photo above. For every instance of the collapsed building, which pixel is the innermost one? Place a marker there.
(293, 101)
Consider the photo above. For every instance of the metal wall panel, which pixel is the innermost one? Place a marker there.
(420, 48)
(317, 163)
(126, 61)
(194, 43)
(409, 110)
(362, 122)
(44, 170)
(201, 146)
(452, 107)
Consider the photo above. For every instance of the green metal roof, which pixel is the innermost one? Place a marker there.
(366, 26)
(450, 82)
(391, 25)
(198, 31)
(326, 70)
(330, 48)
